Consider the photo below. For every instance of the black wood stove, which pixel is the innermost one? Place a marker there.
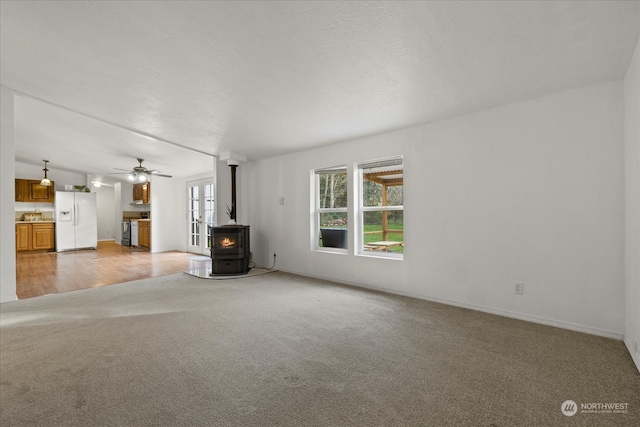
(230, 250)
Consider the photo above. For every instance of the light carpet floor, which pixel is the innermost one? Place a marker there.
(284, 350)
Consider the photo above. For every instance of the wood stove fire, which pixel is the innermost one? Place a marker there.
(230, 250)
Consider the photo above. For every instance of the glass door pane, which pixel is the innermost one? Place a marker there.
(201, 215)
(194, 216)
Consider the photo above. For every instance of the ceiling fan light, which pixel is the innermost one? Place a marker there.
(142, 177)
(131, 177)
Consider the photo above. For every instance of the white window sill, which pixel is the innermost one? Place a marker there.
(331, 251)
(382, 255)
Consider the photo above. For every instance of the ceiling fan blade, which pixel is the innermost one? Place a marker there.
(138, 170)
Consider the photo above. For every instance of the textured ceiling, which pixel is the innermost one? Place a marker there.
(78, 143)
(267, 78)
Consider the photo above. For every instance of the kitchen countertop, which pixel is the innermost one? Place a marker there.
(139, 219)
(36, 222)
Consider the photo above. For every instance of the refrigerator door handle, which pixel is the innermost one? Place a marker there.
(75, 214)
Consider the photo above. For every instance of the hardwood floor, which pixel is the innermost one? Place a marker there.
(51, 272)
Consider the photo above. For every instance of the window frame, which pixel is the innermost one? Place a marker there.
(317, 211)
(361, 209)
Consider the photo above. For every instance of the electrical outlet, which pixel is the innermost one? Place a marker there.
(635, 345)
(518, 288)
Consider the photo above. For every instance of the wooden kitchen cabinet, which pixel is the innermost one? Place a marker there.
(43, 237)
(40, 193)
(144, 234)
(23, 237)
(141, 192)
(137, 192)
(22, 190)
(30, 190)
(35, 237)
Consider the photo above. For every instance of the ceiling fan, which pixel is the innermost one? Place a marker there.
(139, 173)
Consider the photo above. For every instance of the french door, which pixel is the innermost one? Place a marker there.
(201, 215)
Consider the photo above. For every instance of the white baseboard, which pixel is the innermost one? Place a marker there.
(530, 318)
(635, 355)
(15, 298)
(505, 313)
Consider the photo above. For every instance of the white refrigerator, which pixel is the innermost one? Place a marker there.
(76, 221)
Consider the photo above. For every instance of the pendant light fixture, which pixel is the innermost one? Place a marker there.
(45, 181)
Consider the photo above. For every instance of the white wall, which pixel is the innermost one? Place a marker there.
(7, 198)
(528, 192)
(632, 205)
(106, 212)
(165, 222)
(117, 211)
(180, 208)
(223, 190)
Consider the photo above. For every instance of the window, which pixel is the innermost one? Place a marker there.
(330, 217)
(380, 216)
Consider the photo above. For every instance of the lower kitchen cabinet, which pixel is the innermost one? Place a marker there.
(144, 234)
(23, 237)
(35, 237)
(43, 237)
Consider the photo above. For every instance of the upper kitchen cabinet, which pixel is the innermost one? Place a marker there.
(30, 190)
(22, 190)
(141, 192)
